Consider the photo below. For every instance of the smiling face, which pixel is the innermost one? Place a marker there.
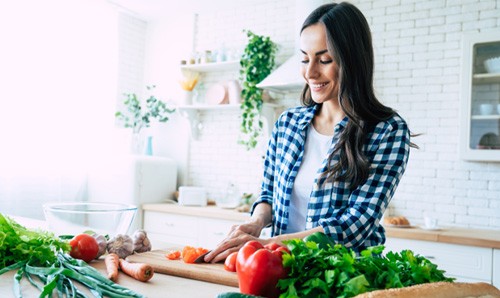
(318, 67)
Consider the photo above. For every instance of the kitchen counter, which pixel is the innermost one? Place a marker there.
(453, 235)
(160, 285)
(208, 211)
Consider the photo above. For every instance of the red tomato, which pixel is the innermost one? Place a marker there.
(84, 247)
(272, 246)
(230, 262)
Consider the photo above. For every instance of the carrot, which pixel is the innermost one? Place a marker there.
(139, 271)
(189, 253)
(173, 255)
(112, 263)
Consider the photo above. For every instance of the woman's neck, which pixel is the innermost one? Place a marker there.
(328, 116)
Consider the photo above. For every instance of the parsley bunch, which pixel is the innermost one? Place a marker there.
(41, 258)
(19, 244)
(336, 271)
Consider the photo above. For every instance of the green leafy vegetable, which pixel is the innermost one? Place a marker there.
(19, 244)
(335, 271)
(41, 258)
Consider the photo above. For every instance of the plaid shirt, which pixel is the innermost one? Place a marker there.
(349, 217)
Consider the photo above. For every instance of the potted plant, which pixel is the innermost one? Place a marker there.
(256, 64)
(138, 117)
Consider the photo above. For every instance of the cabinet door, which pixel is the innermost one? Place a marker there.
(213, 231)
(166, 228)
(480, 117)
(496, 268)
(465, 263)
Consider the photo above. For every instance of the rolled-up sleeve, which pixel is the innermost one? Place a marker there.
(267, 187)
(354, 225)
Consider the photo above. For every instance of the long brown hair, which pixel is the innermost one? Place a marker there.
(349, 42)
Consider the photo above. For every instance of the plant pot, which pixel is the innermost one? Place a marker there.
(187, 97)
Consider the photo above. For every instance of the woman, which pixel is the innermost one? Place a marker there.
(333, 164)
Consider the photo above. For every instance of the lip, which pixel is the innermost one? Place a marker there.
(316, 87)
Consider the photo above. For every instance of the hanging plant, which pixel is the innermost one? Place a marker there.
(256, 63)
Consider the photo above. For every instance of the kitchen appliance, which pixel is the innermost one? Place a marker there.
(132, 179)
(192, 196)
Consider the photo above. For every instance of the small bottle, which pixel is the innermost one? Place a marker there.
(149, 146)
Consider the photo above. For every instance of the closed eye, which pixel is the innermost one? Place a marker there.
(325, 61)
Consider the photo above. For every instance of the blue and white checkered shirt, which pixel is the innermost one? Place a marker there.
(351, 218)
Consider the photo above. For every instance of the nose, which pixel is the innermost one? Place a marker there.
(311, 70)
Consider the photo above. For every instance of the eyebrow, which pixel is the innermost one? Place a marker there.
(317, 53)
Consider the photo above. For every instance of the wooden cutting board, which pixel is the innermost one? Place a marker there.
(208, 272)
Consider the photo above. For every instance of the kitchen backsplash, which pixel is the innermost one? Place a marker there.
(418, 55)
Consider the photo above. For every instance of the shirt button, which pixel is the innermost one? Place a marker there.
(309, 219)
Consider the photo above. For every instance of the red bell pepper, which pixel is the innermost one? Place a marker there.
(259, 268)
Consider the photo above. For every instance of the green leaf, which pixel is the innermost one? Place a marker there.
(256, 63)
(356, 285)
(138, 116)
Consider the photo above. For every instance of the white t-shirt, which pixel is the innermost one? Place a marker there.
(315, 151)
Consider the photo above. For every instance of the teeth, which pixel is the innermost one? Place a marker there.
(318, 85)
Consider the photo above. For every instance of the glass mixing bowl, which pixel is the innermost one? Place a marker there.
(72, 218)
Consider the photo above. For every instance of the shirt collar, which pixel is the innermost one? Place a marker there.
(309, 115)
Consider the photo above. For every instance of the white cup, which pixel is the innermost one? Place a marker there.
(430, 222)
(486, 109)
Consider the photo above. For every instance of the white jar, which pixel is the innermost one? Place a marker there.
(234, 92)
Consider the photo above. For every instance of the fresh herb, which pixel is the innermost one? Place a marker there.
(19, 244)
(41, 258)
(335, 271)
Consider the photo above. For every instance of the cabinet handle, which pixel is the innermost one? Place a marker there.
(430, 257)
(218, 233)
(168, 224)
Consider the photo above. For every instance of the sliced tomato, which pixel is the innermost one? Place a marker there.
(230, 262)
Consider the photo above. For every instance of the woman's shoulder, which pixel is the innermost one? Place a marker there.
(298, 113)
(395, 122)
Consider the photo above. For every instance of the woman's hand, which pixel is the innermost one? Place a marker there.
(237, 236)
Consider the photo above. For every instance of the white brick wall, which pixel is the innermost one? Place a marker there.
(132, 42)
(418, 55)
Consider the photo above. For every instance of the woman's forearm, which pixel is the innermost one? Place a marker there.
(262, 215)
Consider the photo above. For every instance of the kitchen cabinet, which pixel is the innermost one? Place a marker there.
(463, 262)
(480, 99)
(496, 268)
(168, 228)
(169, 224)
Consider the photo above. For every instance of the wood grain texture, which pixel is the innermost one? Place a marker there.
(213, 273)
(472, 237)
